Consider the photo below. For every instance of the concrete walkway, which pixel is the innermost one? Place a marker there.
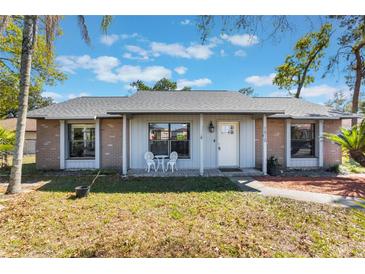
(251, 185)
(244, 172)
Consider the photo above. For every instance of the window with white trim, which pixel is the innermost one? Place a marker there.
(165, 138)
(81, 141)
(303, 140)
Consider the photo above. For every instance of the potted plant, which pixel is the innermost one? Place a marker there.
(273, 166)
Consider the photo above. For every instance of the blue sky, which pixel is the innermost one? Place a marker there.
(151, 47)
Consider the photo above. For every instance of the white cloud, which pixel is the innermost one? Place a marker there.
(185, 22)
(178, 50)
(129, 36)
(59, 98)
(181, 70)
(101, 66)
(73, 95)
(320, 90)
(109, 39)
(240, 53)
(128, 55)
(129, 73)
(54, 95)
(214, 41)
(243, 40)
(259, 81)
(199, 51)
(107, 69)
(314, 91)
(193, 83)
(280, 93)
(222, 53)
(140, 52)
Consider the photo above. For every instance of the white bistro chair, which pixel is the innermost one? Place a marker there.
(172, 161)
(148, 156)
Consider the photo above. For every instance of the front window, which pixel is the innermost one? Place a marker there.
(302, 140)
(167, 137)
(81, 141)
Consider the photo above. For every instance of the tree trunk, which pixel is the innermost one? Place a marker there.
(358, 156)
(299, 89)
(359, 72)
(357, 86)
(28, 42)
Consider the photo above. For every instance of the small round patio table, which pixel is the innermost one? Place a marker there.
(161, 161)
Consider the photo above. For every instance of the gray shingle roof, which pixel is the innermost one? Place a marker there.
(299, 108)
(182, 102)
(191, 101)
(79, 108)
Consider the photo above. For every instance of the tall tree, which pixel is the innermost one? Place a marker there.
(44, 69)
(308, 52)
(163, 84)
(339, 101)
(31, 24)
(351, 49)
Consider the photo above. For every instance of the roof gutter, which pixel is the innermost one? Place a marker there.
(316, 117)
(72, 117)
(194, 112)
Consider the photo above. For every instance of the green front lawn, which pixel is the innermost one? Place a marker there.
(28, 165)
(171, 217)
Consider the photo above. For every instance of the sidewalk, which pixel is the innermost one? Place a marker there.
(249, 184)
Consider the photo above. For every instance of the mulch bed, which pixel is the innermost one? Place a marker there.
(350, 185)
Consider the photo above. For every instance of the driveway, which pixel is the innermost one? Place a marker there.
(253, 185)
(342, 185)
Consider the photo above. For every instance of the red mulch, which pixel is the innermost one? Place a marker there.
(351, 185)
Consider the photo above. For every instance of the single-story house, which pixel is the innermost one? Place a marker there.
(208, 130)
(30, 132)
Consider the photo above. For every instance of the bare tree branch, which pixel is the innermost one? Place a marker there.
(253, 25)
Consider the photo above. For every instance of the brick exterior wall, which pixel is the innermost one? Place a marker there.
(332, 153)
(275, 140)
(111, 143)
(48, 144)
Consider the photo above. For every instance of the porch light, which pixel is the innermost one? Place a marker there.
(211, 127)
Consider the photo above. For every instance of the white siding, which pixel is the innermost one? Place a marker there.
(303, 162)
(81, 164)
(139, 139)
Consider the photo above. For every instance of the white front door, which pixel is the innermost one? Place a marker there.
(228, 144)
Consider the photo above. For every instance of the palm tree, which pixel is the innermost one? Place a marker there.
(31, 24)
(352, 140)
